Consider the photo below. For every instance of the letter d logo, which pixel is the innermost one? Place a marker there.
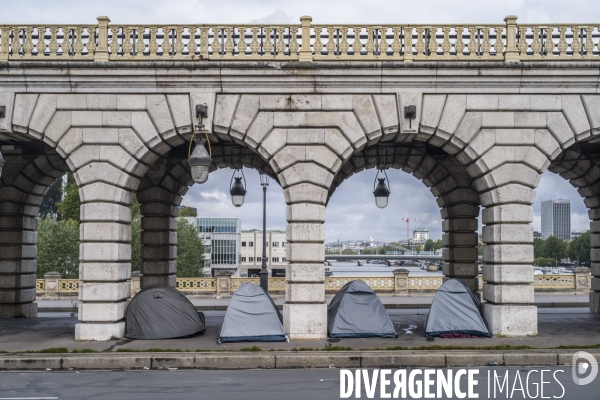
(581, 368)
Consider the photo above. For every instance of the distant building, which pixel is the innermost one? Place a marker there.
(420, 236)
(537, 235)
(575, 234)
(556, 219)
(222, 243)
(251, 253)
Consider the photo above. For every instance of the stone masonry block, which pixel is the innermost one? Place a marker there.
(104, 272)
(306, 232)
(16, 296)
(99, 331)
(159, 238)
(453, 225)
(20, 281)
(459, 254)
(305, 292)
(159, 252)
(305, 252)
(459, 269)
(508, 273)
(305, 272)
(306, 172)
(164, 267)
(459, 239)
(508, 294)
(305, 321)
(512, 193)
(18, 251)
(159, 223)
(20, 266)
(509, 320)
(114, 252)
(508, 253)
(105, 232)
(507, 233)
(102, 312)
(305, 192)
(105, 212)
(96, 291)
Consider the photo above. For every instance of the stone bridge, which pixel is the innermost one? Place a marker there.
(310, 105)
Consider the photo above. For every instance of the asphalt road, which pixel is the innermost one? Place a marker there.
(253, 384)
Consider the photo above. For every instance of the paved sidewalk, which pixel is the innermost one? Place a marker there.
(411, 302)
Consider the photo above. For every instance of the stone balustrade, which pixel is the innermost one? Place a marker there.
(101, 42)
(401, 284)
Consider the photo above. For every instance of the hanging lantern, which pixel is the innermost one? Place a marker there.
(199, 162)
(237, 189)
(381, 191)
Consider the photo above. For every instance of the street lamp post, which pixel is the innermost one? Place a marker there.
(264, 274)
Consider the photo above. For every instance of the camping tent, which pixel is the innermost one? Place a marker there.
(162, 312)
(252, 317)
(357, 312)
(455, 312)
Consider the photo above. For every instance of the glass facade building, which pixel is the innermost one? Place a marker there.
(556, 219)
(222, 241)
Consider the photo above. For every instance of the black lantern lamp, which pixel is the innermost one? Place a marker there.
(381, 191)
(199, 159)
(237, 189)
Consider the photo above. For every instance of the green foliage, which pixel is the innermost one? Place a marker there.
(433, 245)
(253, 348)
(337, 348)
(136, 236)
(51, 199)
(54, 350)
(69, 207)
(190, 250)
(58, 247)
(544, 262)
(188, 212)
(552, 247)
(579, 248)
(86, 350)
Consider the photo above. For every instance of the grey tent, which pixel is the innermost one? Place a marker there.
(455, 312)
(357, 312)
(252, 317)
(162, 312)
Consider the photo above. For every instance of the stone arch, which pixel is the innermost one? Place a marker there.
(26, 177)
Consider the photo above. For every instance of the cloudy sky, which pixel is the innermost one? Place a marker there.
(351, 213)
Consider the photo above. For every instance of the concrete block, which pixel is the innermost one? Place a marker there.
(510, 320)
(105, 212)
(114, 252)
(460, 359)
(234, 361)
(318, 360)
(30, 362)
(389, 359)
(104, 272)
(304, 321)
(101, 312)
(508, 294)
(107, 361)
(166, 361)
(508, 273)
(305, 252)
(508, 253)
(305, 192)
(306, 232)
(305, 272)
(526, 359)
(105, 232)
(104, 291)
(565, 357)
(305, 292)
(511, 193)
(99, 331)
(507, 233)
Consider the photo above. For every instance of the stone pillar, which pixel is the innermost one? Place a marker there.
(135, 283)
(52, 285)
(223, 284)
(595, 264)
(305, 310)
(582, 280)
(24, 181)
(105, 253)
(401, 282)
(459, 254)
(508, 254)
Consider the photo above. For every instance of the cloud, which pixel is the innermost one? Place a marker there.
(277, 17)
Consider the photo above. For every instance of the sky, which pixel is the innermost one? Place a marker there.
(351, 213)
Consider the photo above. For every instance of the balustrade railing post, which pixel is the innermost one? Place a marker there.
(401, 282)
(101, 53)
(305, 50)
(408, 54)
(582, 280)
(5, 31)
(52, 285)
(511, 54)
(223, 284)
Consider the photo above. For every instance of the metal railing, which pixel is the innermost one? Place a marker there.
(102, 42)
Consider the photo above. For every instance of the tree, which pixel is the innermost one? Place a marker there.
(555, 248)
(190, 250)
(544, 262)
(51, 199)
(538, 248)
(188, 212)
(136, 236)
(69, 207)
(433, 245)
(580, 248)
(58, 247)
